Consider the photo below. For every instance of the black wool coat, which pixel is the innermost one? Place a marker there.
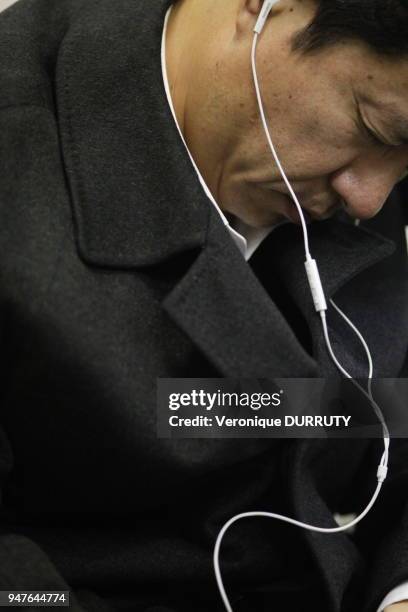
(116, 270)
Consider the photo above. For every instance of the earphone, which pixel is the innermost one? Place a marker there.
(319, 300)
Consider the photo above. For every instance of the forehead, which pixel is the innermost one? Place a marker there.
(360, 58)
(353, 61)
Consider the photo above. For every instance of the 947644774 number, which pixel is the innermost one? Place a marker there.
(34, 598)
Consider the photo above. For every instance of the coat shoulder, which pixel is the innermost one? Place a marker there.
(31, 35)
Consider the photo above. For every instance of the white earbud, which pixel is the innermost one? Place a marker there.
(263, 15)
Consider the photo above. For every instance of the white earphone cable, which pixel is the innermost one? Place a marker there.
(319, 300)
(272, 147)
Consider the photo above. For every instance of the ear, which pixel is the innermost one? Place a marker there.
(253, 6)
(247, 14)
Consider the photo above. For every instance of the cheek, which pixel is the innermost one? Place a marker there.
(309, 140)
(313, 133)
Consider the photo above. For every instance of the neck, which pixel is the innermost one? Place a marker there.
(191, 31)
(177, 41)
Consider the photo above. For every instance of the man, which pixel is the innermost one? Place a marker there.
(117, 268)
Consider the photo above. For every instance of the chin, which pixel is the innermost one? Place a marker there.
(264, 221)
(265, 209)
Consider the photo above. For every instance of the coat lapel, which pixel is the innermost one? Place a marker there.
(224, 309)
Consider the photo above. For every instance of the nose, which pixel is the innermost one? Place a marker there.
(365, 184)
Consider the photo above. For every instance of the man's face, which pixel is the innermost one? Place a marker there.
(338, 119)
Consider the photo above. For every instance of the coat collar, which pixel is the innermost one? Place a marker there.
(342, 251)
(136, 200)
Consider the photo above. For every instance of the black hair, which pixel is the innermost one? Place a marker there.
(381, 24)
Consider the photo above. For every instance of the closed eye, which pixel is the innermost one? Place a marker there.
(374, 138)
(368, 133)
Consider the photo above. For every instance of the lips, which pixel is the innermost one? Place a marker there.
(291, 212)
(319, 213)
(311, 212)
(317, 206)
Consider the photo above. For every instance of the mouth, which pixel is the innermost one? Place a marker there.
(314, 209)
(291, 212)
(323, 215)
(309, 212)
